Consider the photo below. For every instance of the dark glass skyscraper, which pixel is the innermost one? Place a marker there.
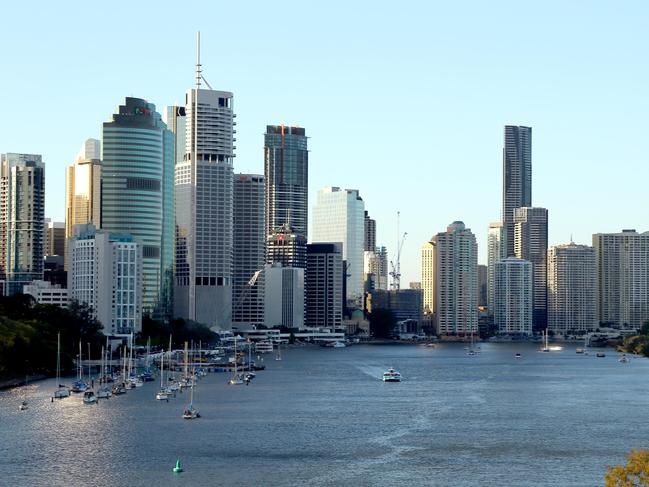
(286, 168)
(137, 193)
(517, 178)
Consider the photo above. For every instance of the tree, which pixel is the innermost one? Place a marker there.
(644, 329)
(634, 473)
(382, 322)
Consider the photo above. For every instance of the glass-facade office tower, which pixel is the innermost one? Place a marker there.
(339, 216)
(531, 243)
(286, 246)
(249, 245)
(286, 168)
(572, 288)
(203, 188)
(83, 189)
(517, 178)
(323, 282)
(22, 219)
(136, 194)
(623, 278)
(456, 280)
(513, 296)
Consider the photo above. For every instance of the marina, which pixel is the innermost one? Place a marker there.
(490, 419)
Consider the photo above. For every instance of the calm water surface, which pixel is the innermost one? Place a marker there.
(323, 417)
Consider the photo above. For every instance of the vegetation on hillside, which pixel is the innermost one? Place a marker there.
(634, 473)
(639, 343)
(180, 330)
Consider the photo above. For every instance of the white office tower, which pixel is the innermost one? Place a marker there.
(572, 288)
(513, 296)
(284, 296)
(623, 278)
(428, 276)
(456, 280)
(203, 190)
(249, 250)
(105, 272)
(339, 216)
(496, 250)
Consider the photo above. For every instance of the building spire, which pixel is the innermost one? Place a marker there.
(199, 72)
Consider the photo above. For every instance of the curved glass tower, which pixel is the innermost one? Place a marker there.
(137, 194)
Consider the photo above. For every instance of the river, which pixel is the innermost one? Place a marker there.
(323, 417)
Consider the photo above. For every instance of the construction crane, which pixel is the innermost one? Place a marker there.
(245, 292)
(395, 273)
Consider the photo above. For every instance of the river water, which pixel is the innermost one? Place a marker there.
(323, 417)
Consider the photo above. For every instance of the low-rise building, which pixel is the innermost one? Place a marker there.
(44, 292)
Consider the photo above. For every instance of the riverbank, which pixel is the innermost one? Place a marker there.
(9, 383)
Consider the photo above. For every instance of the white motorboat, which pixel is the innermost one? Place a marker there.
(391, 375)
(104, 393)
(339, 345)
(89, 397)
(623, 359)
(162, 395)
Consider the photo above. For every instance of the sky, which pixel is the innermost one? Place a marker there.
(404, 101)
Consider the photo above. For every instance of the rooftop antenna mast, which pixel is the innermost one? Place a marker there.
(199, 66)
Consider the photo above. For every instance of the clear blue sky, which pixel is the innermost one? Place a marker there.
(404, 101)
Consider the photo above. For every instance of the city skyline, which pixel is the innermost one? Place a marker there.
(555, 88)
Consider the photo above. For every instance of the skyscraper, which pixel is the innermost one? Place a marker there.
(203, 187)
(136, 198)
(83, 189)
(22, 219)
(286, 168)
(286, 246)
(370, 233)
(531, 243)
(623, 278)
(572, 288)
(456, 280)
(324, 285)
(339, 216)
(428, 276)
(283, 296)
(495, 251)
(249, 244)
(513, 296)
(54, 238)
(375, 265)
(517, 178)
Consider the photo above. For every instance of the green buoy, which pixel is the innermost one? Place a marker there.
(178, 468)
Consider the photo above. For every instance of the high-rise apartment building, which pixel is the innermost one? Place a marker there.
(495, 252)
(286, 168)
(22, 220)
(83, 189)
(572, 289)
(105, 272)
(376, 269)
(456, 280)
(136, 194)
(339, 216)
(203, 187)
(531, 243)
(623, 278)
(324, 285)
(249, 244)
(482, 286)
(517, 178)
(370, 233)
(428, 276)
(513, 296)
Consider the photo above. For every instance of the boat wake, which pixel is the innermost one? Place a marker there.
(373, 371)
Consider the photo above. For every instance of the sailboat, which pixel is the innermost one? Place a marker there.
(279, 350)
(104, 392)
(236, 379)
(163, 394)
(191, 412)
(471, 351)
(61, 392)
(23, 405)
(545, 348)
(79, 385)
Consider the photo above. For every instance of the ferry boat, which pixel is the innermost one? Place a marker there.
(264, 347)
(391, 375)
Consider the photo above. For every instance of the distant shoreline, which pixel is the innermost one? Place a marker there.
(18, 382)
